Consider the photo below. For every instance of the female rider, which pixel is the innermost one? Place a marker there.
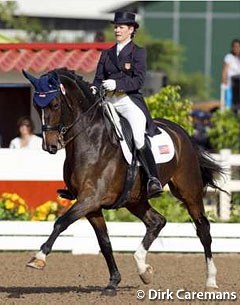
(121, 70)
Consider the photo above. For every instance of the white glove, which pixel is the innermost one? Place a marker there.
(109, 84)
(94, 90)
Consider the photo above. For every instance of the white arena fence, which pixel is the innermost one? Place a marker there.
(23, 165)
(227, 160)
(80, 238)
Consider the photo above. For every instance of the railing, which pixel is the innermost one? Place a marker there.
(80, 238)
(227, 160)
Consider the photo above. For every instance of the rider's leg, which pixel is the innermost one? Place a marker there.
(145, 156)
(126, 107)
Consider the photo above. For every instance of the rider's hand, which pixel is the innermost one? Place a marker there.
(109, 84)
(94, 90)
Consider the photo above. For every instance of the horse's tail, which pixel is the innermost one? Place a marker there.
(210, 170)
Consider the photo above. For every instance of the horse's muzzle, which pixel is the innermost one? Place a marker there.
(52, 149)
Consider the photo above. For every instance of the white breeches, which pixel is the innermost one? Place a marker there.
(135, 116)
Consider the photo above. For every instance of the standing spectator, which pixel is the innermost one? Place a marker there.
(231, 67)
(26, 138)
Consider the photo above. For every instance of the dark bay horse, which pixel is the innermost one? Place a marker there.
(95, 170)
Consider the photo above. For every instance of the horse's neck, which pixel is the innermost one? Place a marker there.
(92, 139)
(91, 129)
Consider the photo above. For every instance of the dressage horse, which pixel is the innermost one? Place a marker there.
(95, 172)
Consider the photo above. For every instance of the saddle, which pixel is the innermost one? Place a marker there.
(121, 130)
(118, 127)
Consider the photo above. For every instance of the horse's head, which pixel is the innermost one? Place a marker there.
(60, 98)
(47, 99)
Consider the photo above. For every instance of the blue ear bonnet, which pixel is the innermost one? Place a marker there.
(47, 87)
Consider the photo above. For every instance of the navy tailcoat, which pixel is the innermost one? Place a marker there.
(129, 71)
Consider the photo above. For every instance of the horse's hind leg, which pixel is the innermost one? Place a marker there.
(154, 222)
(203, 232)
(194, 204)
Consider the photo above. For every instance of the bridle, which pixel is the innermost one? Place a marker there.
(61, 128)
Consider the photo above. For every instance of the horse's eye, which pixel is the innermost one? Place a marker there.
(55, 106)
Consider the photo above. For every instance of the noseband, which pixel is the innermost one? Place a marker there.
(57, 127)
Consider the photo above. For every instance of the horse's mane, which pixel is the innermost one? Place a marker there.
(81, 83)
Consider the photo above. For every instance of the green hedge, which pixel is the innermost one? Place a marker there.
(167, 205)
(169, 104)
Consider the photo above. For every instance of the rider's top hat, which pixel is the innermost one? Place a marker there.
(125, 18)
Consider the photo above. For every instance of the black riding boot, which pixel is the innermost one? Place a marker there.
(145, 156)
(66, 194)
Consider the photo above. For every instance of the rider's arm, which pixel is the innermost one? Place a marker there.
(99, 76)
(135, 82)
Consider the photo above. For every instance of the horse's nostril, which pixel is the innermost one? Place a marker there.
(52, 149)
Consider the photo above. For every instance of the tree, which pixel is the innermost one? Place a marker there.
(33, 27)
(167, 56)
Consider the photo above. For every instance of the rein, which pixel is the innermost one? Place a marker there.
(63, 130)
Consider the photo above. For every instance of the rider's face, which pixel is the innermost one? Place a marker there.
(123, 32)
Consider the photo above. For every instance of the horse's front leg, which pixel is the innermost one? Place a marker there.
(98, 223)
(78, 210)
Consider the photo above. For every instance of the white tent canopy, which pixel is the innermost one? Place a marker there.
(90, 9)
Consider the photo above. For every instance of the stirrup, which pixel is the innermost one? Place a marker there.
(154, 187)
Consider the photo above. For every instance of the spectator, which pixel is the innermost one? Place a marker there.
(26, 138)
(231, 65)
(99, 37)
(201, 124)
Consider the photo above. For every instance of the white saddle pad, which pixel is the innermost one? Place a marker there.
(162, 145)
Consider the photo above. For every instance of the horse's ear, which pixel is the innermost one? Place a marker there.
(31, 78)
(54, 79)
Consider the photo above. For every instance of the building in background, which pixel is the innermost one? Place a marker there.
(37, 58)
(67, 20)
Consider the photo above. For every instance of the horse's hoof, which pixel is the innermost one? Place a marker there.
(211, 288)
(147, 276)
(110, 291)
(36, 263)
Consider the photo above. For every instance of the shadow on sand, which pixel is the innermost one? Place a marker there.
(19, 292)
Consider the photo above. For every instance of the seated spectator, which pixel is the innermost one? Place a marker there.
(201, 123)
(99, 37)
(26, 138)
